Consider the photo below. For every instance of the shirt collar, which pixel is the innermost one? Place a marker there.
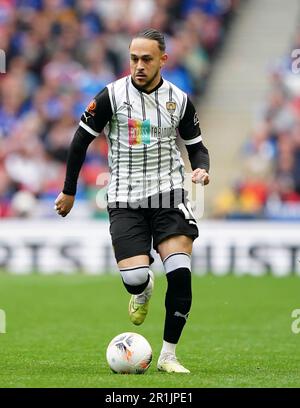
(147, 92)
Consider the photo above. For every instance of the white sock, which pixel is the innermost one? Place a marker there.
(144, 296)
(168, 347)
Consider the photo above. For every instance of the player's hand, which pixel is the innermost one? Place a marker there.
(64, 204)
(200, 176)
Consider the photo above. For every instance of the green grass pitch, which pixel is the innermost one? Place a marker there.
(238, 334)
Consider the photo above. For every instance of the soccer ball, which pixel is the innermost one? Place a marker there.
(129, 353)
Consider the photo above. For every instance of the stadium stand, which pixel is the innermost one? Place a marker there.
(60, 53)
(269, 187)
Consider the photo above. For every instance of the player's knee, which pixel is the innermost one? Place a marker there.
(135, 279)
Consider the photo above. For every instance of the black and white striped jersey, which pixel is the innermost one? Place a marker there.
(141, 130)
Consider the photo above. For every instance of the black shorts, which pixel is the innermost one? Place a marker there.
(133, 229)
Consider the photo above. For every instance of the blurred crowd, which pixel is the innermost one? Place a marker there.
(270, 185)
(59, 54)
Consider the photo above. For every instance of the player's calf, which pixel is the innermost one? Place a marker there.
(178, 302)
(178, 298)
(139, 281)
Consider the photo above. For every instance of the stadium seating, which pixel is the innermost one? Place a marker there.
(270, 185)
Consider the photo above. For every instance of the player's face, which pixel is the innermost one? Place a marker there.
(146, 61)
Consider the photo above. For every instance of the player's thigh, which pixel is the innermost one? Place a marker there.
(131, 236)
(134, 261)
(177, 243)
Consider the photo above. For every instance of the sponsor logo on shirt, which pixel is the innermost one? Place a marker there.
(139, 131)
(142, 132)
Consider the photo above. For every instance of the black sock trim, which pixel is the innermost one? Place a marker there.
(133, 269)
(136, 289)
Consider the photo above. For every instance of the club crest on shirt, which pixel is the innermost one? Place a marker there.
(171, 106)
(92, 107)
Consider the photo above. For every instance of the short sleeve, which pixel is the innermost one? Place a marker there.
(188, 127)
(97, 114)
